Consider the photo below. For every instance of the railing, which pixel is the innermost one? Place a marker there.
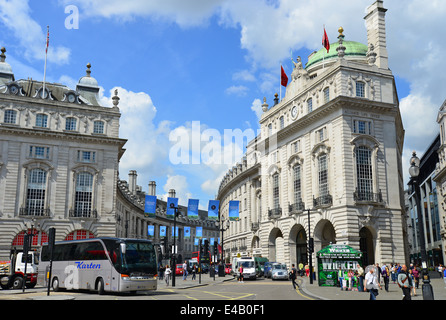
(296, 207)
(364, 196)
(83, 213)
(323, 201)
(34, 212)
(275, 213)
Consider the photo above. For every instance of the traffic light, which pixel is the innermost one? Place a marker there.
(206, 251)
(201, 249)
(215, 248)
(311, 245)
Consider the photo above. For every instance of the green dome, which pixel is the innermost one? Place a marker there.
(352, 48)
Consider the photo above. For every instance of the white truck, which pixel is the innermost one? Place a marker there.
(249, 268)
(12, 272)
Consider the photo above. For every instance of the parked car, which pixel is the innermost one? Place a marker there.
(279, 271)
(267, 269)
(179, 269)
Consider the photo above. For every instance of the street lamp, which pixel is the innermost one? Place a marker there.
(224, 227)
(174, 262)
(310, 248)
(414, 172)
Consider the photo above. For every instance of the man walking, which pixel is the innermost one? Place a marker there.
(405, 282)
(360, 278)
(293, 276)
(372, 283)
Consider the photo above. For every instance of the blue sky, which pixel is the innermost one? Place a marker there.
(179, 62)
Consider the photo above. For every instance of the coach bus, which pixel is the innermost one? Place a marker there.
(102, 264)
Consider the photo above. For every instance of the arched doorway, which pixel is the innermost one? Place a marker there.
(276, 246)
(324, 235)
(366, 246)
(301, 247)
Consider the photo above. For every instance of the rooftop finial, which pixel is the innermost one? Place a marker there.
(3, 56)
(341, 30)
(88, 69)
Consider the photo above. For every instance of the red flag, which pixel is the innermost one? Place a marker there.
(283, 77)
(47, 38)
(325, 41)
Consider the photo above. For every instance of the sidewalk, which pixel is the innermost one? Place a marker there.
(189, 283)
(395, 293)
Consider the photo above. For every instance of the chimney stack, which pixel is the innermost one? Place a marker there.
(375, 21)
(132, 181)
(152, 188)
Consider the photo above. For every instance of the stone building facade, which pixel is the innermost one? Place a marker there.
(59, 157)
(332, 145)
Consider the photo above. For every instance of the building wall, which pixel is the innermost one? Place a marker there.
(329, 128)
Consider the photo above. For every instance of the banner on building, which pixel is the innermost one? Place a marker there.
(150, 206)
(234, 206)
(192, 209)
(171, 204)
(163, 231)
(186, 232)
(199, 232)
(213, 209)
(151, 231)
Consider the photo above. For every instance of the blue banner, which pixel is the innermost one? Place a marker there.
(196, 241)
(151, 231)
(199, 232)
(192, 209)
(186, 232)
(150, 206)
(213, 209)
(234, 210)
(163, 231)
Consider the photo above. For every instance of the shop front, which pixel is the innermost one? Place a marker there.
(333, 257)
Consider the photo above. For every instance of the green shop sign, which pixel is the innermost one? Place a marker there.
(333, 257)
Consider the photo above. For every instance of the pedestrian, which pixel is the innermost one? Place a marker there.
(167, 273)
(350, 276)
(341, 278)
(444, 277)
(240, 279)
(393, 272)
(307, 270)
(386, 277)
(293, 275)
(416, 276)
(360, 271)
(184, 270)
(161, 272)
(372, 283)
(404, 282)
(301, 269)
(414, 291)
(194, 272)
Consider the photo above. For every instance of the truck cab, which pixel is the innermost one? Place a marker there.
(12, 272)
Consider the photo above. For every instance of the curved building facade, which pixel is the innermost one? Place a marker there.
(327, 163)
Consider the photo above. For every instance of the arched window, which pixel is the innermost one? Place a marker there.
(79, 235)
(297, 186)
(323, 175)
(364, 174)
(84, 195)
(36, 190)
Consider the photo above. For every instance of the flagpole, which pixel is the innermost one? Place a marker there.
(46, 56)
(323, 57)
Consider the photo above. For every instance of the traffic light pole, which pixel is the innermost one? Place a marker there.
(310, 249)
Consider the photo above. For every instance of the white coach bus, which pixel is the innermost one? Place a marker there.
(102, 264)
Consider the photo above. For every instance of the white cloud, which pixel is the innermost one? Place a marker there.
(257, 108)
(237, 90)
(15, 15)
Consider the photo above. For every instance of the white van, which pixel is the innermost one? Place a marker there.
(249, 268)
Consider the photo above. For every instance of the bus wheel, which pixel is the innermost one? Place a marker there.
(55, 284)
(100, 286)
(17, 283)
